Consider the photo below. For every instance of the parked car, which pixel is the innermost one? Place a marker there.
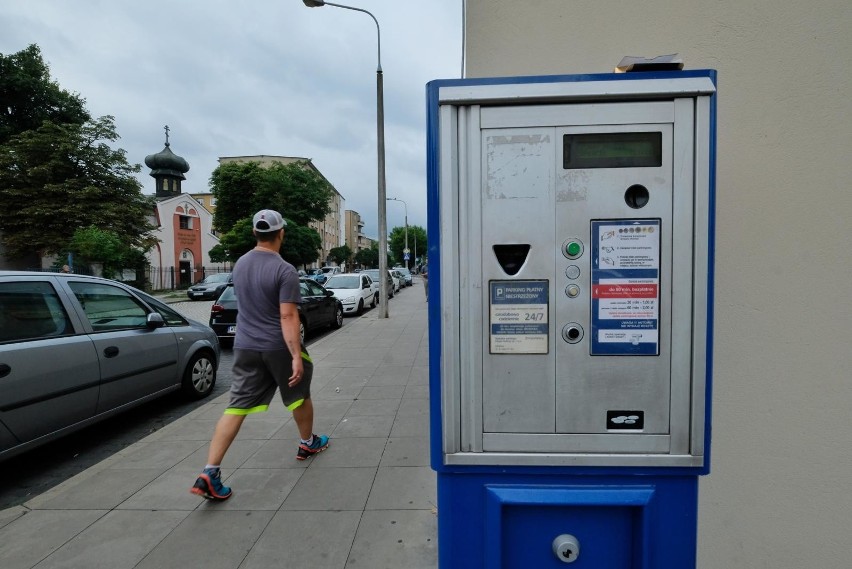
(75, 350)
(374, 274)
(406, 276)
(319, 309)
(397, 279)
(317, 275)
(210, 288)
(355, 291)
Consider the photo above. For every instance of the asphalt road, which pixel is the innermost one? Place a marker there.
(32, 473)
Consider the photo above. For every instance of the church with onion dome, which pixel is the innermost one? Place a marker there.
(184, 226)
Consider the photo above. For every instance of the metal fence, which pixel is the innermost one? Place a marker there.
(151, 278)
(177, 278)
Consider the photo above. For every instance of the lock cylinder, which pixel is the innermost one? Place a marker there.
(572, 332)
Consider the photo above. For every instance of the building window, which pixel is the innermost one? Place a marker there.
(185, 222)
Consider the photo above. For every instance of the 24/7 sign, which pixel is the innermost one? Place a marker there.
(518, 320)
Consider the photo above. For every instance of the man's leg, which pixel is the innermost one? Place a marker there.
(304, 417)
(310, 444)
(225, 433)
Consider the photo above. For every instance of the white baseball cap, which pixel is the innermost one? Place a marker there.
(267, 220)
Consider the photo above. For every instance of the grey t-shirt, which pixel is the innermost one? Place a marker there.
(262, 281)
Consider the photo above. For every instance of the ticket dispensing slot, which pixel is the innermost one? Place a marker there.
(511, 257)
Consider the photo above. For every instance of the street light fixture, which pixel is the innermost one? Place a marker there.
(405, 253)
(380, 136)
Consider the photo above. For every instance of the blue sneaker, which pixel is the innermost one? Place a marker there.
(320, 444)
(209, 485)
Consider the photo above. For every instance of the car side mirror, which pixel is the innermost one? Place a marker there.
(329, 293)
(154, 320)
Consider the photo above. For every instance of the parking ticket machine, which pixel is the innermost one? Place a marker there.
(571, 261)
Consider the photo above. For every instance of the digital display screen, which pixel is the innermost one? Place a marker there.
(612, 150)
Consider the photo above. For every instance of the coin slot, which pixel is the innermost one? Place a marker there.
(637, 196)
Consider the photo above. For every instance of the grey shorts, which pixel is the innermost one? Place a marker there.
(258, 374)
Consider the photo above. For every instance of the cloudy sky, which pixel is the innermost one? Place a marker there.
(236, 78)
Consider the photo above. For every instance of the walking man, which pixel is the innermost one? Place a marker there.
(268, 354)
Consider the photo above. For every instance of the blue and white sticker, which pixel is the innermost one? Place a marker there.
(519, 322)
(625, 287)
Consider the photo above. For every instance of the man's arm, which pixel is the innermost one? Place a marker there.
(289, 314)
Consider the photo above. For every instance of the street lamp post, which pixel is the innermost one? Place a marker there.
(405, 253)
(380, 136)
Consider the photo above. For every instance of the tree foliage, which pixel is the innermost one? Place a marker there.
(340, 255)
(368, 257)
(58, 178)
(58, 172)
(300, 247)
(296, 190)
(94, 245)
(416, 243)
(28, 96)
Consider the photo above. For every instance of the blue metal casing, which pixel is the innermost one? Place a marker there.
(505, 515)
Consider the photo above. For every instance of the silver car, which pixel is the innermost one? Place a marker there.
(75, 350)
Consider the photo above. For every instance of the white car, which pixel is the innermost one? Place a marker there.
(397, 280)
(354, 290)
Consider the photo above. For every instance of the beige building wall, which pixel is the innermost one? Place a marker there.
(355, 237)
(781, 467)
(331, 229)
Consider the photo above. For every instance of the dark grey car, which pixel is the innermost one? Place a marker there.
(77, 349)
(210, 288)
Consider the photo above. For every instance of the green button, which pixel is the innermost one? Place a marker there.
(573, 248)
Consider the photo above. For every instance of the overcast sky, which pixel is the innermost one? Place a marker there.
(236, 78)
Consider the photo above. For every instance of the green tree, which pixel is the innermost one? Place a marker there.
(297, 190)
(301, 244)
(58, 172)
(58, 178)
(28, 95)
(235, 243)
(368, 257)
(93, 245)
(340, 254)
(416, 242)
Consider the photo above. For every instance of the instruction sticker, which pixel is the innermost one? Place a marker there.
(625, 287)
(519, 323)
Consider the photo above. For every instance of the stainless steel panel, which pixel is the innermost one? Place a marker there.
(587, 386)
(502, 183)
(516, 204)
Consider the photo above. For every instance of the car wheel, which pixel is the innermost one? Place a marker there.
(360, 310)
(199, 376)
(302, 330)
(338, 317)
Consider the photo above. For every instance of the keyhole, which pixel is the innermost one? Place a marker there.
(567, 554)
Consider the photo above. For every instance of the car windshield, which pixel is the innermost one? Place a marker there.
(374, 273)
(404, 271)
(217, 278)
(343, 281)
